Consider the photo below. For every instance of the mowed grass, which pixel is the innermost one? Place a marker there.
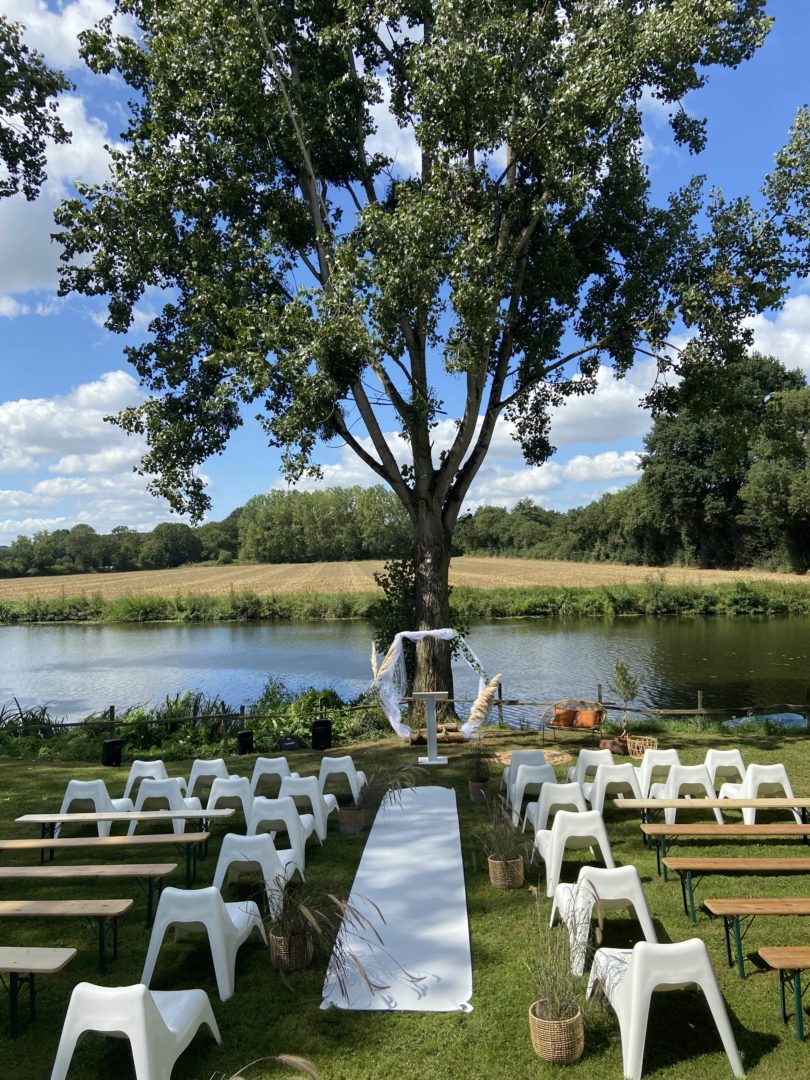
(266, 1017)
(358, 577)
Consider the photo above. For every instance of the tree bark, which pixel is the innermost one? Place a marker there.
(432, 547)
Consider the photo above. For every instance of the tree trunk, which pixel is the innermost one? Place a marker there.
(432, 546)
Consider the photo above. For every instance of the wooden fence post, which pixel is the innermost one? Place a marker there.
(700, 710)
(500, 705)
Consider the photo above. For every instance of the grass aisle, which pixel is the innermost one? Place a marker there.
(266, 1017)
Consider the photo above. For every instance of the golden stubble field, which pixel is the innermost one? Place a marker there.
(348, 577)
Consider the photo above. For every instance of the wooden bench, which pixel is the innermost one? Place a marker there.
(73, 909)
(152, 873)
(801, 804)
(790, 963)
(191, 843)
(731, 911)
(690, 868)
(21, 965)
(49, 822)
(660, 833)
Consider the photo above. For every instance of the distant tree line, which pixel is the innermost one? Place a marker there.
(282, 526)
(724, 482)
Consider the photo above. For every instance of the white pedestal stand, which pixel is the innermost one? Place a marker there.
(430, 698)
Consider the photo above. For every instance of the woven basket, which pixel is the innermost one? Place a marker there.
(558, 1041)
(506, 874)
(290, 953)
(637, 744)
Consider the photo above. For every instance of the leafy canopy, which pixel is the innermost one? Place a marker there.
(340, 294)
(28, 113)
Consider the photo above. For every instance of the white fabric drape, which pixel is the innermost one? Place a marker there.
(389, 676)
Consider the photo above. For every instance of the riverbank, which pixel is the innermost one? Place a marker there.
(654, 595)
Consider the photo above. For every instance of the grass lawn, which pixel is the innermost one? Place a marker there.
(267, 1017)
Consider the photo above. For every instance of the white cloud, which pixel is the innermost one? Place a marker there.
(787, 334)
(11, 308)
(55, 33)
(390, 139)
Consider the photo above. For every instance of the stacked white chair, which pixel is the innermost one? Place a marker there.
(146, 770)
(268, 767)
(520, 757)
(91, 796)
(725, 766)
(204, 773)
(257, 856)
(554, 797)
(165, 795)
(587, 763)
(528, 780)
(685, 782)
(616, 781)
(571, 831)
(159, 1024)
(654, 768)
(228, 926)
(271, 815)
(342, 766)
(234, 792)
(304, 789)
(604, 890)
(760, 782)
(628, 978)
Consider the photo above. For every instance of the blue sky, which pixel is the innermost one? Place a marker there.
(61, 372)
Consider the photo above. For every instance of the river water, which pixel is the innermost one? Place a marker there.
(737, 662)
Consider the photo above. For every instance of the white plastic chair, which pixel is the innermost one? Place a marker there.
(145, 770)
(305, 789)
(571, 831)
(603, 890)
(725, 766)
(158, 1023)
(654, 768)
(269, 766)
(519, 757)
(204, 773)
(255, 855)
(685, 782)
(619, 781)
(91, 796)
(628, 978)
(529, 780)
(270, 815)
(227, 926)
(235, 792)
(342, 766)
(164, 795)
(554, 797)
(760, 782)
(587, 763)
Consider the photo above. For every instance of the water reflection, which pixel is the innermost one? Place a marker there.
(737, 663)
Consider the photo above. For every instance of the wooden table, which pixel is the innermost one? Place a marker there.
(660, 833)
(688, 868)
(731, 911)
(189, 843)
(152, 873)
(790, 963)
(21, 965)
(73, 909)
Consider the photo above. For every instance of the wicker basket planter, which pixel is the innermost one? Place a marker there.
(558, 1041)
(351, 819)
(479, 790)
(290, 953)
(506, 873)
(637, 744)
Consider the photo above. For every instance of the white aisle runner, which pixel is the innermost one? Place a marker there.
(411, 869)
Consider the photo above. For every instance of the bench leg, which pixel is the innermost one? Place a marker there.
(691, 890)
(728, 941)
(102, 930)
(797, 1005)
(738, 946)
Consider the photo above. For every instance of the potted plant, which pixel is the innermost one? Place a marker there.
(383, 784)
(556, 1024)
(479, 757)
(503, 846)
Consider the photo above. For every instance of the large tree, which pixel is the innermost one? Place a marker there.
(343, 296)
(28, 112)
